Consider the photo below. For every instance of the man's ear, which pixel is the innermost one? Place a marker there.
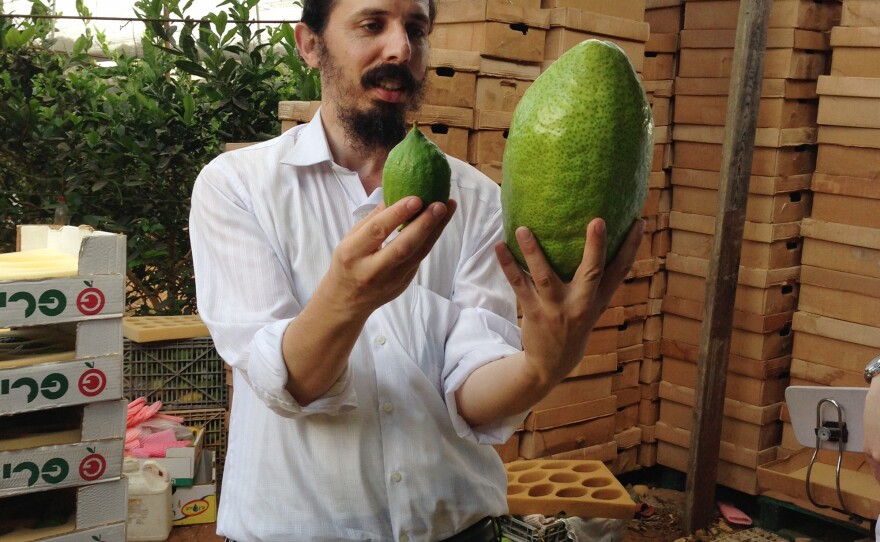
(307, 44)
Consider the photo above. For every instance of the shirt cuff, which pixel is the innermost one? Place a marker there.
(479, 337)
(268, 376)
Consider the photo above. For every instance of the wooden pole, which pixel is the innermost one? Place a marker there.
(736, 164)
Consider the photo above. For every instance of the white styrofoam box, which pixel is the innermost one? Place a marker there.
(99, 253)
(63, 383)
(54, 301)
(98, 290)
(113, 532)
(91, 453)
(88, 507)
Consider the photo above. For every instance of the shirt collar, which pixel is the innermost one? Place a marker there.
(311, 145)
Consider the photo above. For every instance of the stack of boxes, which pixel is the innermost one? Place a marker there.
(837, 323)
(658, 75)
(62, 416)
(779, 198)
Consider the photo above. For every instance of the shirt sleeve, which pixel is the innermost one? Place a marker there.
(484, 331)
(244, 294)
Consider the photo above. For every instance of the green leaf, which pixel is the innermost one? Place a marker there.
(192, 68)
(189, 107)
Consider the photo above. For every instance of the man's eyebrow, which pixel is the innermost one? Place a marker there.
(378, 12)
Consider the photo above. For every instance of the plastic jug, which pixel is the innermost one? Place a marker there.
(149, 501)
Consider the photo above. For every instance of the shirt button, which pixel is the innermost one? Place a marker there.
(395, 477)
(404, 538)
(380, 340)
(387, 407)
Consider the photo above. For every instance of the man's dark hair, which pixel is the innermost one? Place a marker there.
(316, 12)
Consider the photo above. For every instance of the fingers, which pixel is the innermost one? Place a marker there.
(618, 268)
(417, 239)
(372, 231)
(542, 274)
(592, 264)
(516, 276)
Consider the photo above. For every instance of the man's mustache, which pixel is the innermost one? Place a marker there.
(403, 75)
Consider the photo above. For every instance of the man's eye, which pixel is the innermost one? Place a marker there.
(417, 32)
(371, 26)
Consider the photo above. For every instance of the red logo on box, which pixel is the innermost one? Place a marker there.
(90, 301)
(92, 382)
(92, 466)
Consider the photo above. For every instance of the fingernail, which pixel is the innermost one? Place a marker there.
(438, 210)
(600, 227)
(413, 204)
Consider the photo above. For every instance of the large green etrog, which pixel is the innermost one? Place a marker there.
(580, 146)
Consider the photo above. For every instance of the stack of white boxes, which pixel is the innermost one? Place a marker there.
(62, 416)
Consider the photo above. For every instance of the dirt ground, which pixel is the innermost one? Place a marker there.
(661, 519)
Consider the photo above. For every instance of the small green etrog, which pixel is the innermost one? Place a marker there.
(416, 167)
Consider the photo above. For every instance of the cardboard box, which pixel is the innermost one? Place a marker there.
(542, 443)
(764, 137)
(849, 101)
(576, 390)
(738, 410)
(854, 298)
(782, 63)
(824, 375)
(729, 474)
(665, 19)
(509, 451)
(747, 344)
(841, 247)
(659, 66)
(662, 43)
(452, 78)
(860, 13)
(83, 445)
(569, 414)
(855, 210)
(772, 112)
(517, 41)
(850, 161)
(857, 483)
(856, 51)
(500, 94)
(462, 11)
(605, 452)
(843, 354)
(768, 253)
(748, 276)
(97, 291)
(486, 146)
(766, 161)
(758, 184)
(791, 89)
(729, 450)
(633, 9)
(197, 504)
(758, 392)
(747, 321)
(81, 511)
(805, 14)
(776, 299)
(182, 462)
(781, 207)
(755, 368)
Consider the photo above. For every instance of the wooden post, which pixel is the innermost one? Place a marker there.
(736, 164)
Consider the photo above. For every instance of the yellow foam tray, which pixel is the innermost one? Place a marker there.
(584, 488)
(144, 329)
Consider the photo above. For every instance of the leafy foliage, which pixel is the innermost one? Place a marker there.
(123, 142)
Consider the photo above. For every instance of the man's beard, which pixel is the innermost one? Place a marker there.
(381, 125)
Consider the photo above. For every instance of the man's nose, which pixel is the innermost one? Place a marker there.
(398, 48)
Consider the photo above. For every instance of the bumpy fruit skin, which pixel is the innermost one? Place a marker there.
(580, 146)
(416, 167)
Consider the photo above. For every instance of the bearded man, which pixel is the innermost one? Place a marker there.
(374, 369)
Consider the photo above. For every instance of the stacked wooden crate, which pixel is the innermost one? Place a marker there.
(779, 198)
(837, 326)
(837, 323)
(62, 416)
(664, 18)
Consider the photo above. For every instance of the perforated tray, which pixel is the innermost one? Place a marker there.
(143, 329)
(576, 488)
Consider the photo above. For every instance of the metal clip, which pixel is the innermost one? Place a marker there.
(829, 432)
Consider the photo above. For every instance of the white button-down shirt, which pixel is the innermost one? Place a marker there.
(384, 455)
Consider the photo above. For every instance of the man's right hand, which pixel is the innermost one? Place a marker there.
(365, 273)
